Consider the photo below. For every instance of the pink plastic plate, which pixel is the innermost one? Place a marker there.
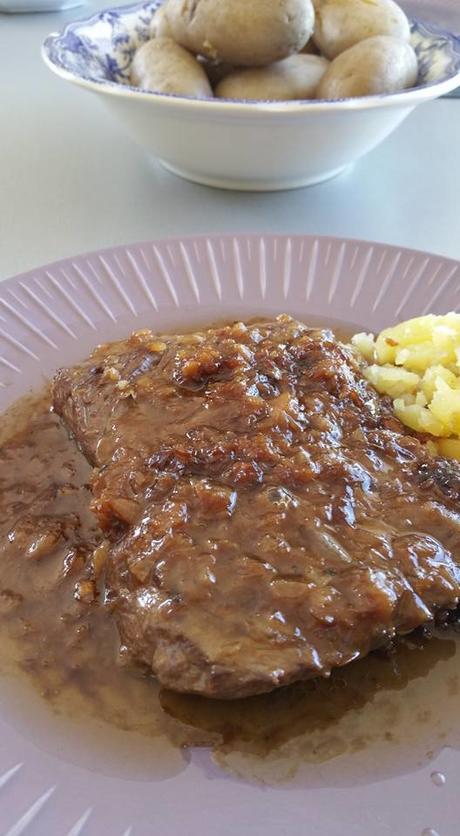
(53, 781)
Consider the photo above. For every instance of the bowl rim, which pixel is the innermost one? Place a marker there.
(408, 97)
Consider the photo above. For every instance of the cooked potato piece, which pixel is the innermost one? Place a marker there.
(449, 447)
(159, 27)
(421, 342)
(431, 378)
(365, 345)
(163, 66)
(296, 77)
(239, 32)
(377, 65)
(445, 406)
(392, 381)
(418, 364)
(418, 418)
(340, 24)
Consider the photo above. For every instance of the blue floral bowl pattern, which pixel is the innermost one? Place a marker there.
(223, 142)
(100, 49)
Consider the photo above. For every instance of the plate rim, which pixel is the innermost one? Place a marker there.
(226, 236)
(33, 753)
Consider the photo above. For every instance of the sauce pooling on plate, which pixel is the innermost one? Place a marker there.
(55, 629)
(268, 519)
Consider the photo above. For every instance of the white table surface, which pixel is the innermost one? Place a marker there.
(70, 181)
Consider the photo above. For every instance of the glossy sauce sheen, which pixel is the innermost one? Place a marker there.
(402, 703)
(268, 517)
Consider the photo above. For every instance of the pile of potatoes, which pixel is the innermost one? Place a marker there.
(276, 49)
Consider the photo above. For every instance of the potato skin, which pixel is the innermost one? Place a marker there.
(159, 27)
(241, 32)
(340, 24)
(163, 66)
(296, 77)
(376, 65)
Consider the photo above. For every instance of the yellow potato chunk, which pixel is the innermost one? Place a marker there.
(417, 364)
(445, 406)
(389, 380)
(449, 447)
(418, 418)
(365, 345)
(420, 399)
(433, 374)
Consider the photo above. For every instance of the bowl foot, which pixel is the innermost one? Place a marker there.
(248, 185)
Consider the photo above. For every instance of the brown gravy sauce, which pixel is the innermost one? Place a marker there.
(387, 714)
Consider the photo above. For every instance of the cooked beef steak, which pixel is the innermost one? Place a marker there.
(269, 518)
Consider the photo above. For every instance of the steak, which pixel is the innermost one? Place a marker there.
(268, 517)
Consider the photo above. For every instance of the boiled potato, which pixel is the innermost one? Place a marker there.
(449, 447)
(241, 32)
(159, 27)
(417, 363)
(340, 24)
(432, 377)
(365, 345)
(445, 406)
(418, 418)
(392, 381)
(425, 340)
(163, 66)
(377, 65)
(296, 77)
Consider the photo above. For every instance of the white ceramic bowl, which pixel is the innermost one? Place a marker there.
(241, 145)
